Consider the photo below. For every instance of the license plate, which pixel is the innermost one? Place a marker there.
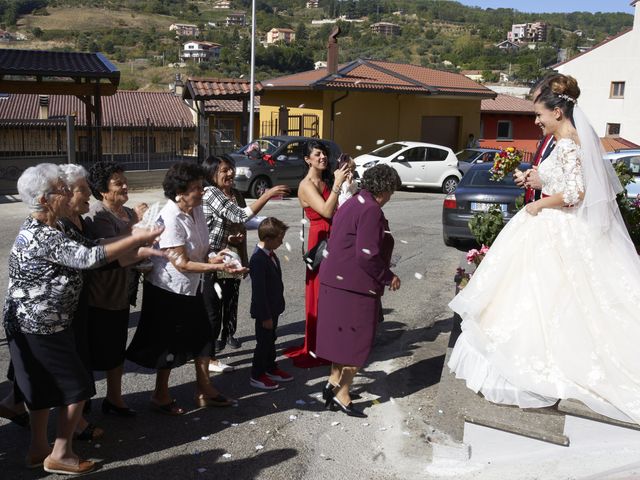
(483, 207)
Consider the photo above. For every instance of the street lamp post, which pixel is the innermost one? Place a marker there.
(252, 79)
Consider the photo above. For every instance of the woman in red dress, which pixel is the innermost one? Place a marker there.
(319, 203)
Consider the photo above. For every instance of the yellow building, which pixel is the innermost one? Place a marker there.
(364, 101)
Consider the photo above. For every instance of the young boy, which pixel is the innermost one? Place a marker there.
(267, 303)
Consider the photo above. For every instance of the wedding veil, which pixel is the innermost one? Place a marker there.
(598, 207)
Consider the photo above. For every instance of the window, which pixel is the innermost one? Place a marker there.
(617, 90)
(613, 129)
(504, 130)
(436, 154)
(413, 155)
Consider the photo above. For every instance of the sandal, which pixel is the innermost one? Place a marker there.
(217, 401)
(91, 432)
(21, 419)
(170, 408)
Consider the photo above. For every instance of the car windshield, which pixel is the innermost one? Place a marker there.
(387, 150)
(267, 145)
(481, 177)
(466, 155)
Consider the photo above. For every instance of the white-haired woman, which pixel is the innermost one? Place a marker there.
(43, 290)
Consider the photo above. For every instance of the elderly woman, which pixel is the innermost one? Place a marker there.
(44, 285)
(352, 279)
(226, 212)
(173, 325)
(108, 289)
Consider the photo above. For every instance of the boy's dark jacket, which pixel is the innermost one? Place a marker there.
(267, 289)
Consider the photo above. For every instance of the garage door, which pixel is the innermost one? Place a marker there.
(441, 131)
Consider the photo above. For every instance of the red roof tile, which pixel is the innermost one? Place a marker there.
(122, 109)
(507, 104)
(205, 88)
(382, 76)
(611, 144)
(229, 106)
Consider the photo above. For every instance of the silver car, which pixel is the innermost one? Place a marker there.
(631, 159)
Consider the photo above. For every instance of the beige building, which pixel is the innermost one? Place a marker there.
(276, 35)
(385, 28)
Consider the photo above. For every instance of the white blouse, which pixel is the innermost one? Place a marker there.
(180, 230)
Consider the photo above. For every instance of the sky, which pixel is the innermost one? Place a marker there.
(548, 6)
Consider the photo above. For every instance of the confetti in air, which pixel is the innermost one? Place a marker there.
(286, 259)
(380, 141)
(218, 290)
(303, 221)
(325, 253)
(227, 455)
(269, 84)
(287, 246)
(404, 241)
(360, 199)
(293, 417)
(338, 113)
(301, 105)
(411, 186)
(358, 147)
(418, 275)
(339, 277)
(259, 447)
(366, 251)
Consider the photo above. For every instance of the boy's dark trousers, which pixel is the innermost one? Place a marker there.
(264, 356)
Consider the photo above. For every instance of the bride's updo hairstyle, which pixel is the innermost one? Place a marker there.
(560, 91)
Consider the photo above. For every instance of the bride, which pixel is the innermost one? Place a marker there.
(553, 311)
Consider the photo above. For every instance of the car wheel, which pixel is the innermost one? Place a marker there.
(449, 185)
(448, 241)
(259, 186)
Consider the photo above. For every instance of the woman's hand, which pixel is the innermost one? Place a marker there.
(532, 179)
(277, 191)
(147, 236)
(533, 208)
(395, 283)
(340, 175)
(140, 210)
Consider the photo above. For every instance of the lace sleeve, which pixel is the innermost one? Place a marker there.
(569, 156)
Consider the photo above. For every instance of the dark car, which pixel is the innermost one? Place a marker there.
(277, 160)
(471, 156)
(476, 192)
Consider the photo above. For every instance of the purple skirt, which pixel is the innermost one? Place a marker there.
(347, 324)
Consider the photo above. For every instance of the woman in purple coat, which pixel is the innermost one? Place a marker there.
(352, 279)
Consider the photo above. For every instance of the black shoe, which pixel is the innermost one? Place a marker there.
(220, 344)
(108, 407)
(327, 394)
(234, 343)
(349, 409)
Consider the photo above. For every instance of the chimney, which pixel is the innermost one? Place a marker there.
(178, 86)
(43, 107)
(332, 51)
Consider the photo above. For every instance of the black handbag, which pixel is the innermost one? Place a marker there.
(314, 256)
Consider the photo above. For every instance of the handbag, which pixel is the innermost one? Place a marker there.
(313, 257)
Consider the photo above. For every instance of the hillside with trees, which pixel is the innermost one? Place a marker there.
(435, 33)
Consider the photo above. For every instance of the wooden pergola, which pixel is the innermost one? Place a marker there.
(199, 90)
(88, 76)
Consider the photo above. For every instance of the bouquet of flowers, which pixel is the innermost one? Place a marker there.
(475, 256)
(505, 162)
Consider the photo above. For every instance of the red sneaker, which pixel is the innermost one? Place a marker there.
(279, 375)
(263, 382)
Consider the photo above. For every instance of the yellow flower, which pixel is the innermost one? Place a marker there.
(511, 149)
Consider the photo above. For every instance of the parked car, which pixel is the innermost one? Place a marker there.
(477, 193)
(277, 160)
(631, 159)
(471, 156)
(418, 164)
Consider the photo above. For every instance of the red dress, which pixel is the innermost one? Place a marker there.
(319, 228)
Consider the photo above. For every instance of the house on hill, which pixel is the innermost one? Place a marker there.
(385, 28)
(608, 78)
(185, 29)
(362, 101)
(236, 19)
(200, 51)
(285, 35)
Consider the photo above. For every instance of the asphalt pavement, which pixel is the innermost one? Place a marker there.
(285, 433)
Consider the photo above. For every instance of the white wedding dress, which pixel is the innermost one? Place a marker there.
(553, 311)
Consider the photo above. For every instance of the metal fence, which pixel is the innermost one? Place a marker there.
(306, 125)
